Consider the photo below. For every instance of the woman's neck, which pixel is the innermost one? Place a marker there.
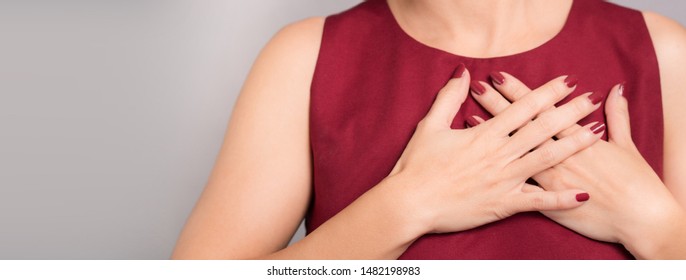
(483, 28)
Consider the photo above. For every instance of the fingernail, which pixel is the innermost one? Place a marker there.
(477, 88)
(471, 122)
(459, 71)
(595, 98)
(571, 81)
(497, 77)
(582, 197)
(620, 90)
(598, 128)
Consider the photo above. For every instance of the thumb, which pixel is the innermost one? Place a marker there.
(617, 111)
(549, 200)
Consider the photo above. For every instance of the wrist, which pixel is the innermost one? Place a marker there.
(406, 205)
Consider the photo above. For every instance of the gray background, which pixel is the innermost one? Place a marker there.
(111, 114)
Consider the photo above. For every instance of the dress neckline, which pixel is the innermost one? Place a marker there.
(557, 37)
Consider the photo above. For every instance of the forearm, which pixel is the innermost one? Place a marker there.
(664, 239)
(378, 225)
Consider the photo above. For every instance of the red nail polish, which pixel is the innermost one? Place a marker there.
(459, 71)
(571, 81)
(471, 122)
(598, 128)
(596, 97)
(582, 197)
(477, 88)
(497, 77)
(620, 90)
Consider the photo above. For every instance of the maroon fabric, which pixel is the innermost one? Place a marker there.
(373, 83)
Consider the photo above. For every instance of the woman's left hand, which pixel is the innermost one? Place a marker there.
(630, 203)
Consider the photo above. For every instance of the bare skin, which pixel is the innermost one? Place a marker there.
(259, 189)
(486, 28)
(631, 205)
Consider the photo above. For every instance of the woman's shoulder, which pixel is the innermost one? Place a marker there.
(298, 36)
(669, 41)
(669, 38)
(291, 52)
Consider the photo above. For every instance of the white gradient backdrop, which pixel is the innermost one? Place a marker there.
(112, 112)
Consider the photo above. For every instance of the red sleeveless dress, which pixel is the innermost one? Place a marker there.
(373, 83)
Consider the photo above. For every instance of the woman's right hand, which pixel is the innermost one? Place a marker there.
(458, 179)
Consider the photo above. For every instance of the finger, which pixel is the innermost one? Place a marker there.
(495, 103)
(554, 152)
(547, 178)
(449, 98)
(617, 112)
(488, 97)
(527, 188)
(473, 121)
(522, 111)
(549, 123)
(511, 88)
(549, 200)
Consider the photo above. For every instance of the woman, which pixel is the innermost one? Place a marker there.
(328, 127)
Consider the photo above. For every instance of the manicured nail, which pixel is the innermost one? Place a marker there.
(497, 77)
(596, 98)
(620, 90)
(477, 88)
(459, 71)
(471, 122)
(582, 197)
(598, 128)
(571, 81)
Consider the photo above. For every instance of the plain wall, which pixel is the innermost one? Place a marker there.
(112, 112)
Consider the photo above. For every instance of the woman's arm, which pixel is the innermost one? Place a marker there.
(669, 39)
(260, 186)
(259, 190)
